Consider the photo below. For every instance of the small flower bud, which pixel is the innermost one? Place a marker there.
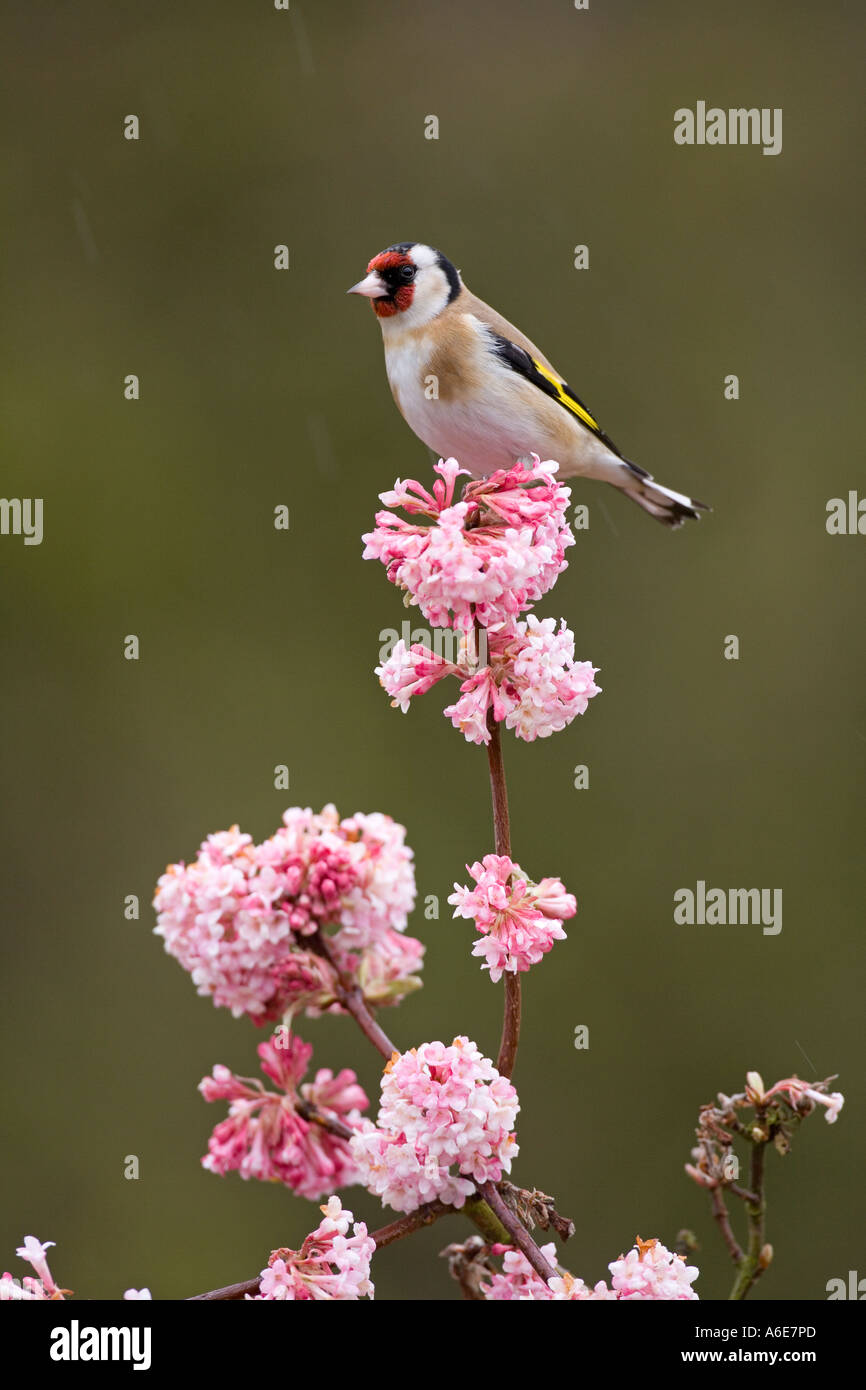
(754, 1086)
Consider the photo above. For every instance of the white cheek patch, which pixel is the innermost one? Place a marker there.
(432, 293)
(423, 256)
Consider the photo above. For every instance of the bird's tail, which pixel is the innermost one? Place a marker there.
(669, 507)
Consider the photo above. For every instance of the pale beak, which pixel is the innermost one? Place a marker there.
(373, 287)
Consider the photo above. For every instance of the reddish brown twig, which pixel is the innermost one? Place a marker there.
(352, 999)
(502, 841)
(720, 1212)
(412, 1221)
(518, 1234)
(386, 1235)
(328, 1122)
(757, 1256)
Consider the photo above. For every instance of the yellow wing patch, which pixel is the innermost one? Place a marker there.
(566, 398)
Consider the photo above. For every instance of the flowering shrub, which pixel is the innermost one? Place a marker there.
(442, 1108)
(240, 918)
(268, 1134)
(649, 1271)
(485, 558)
(480, 566)
(519, 921)
(331, 1264)
(313, 920)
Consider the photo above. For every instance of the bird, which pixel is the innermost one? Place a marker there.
(474, 388)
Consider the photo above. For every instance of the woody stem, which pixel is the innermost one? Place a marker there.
(517, 1232)
(386, 1235)
(752, 1264)
(352, 999)
(502, 841)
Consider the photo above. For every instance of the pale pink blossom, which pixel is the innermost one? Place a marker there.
(28, 1289)
(267, 1134)
(304, 980)
(388, 969)
(650, 1271)
(518, 920)
(36, 1254)
(442, 1109)
(479, 693)
(545, 688)
(800, 1092)
(565, 1288)
(485, 558)
(518, 1281)
(530, 680)
(14, 1290)
(331, 1264)
(411, 671)
(383, 891)
(142, 1295)
(238, 917)
(719, 1123)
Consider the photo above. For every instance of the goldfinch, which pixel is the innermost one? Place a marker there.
(474, 388)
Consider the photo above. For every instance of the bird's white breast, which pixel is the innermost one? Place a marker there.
(467, 409)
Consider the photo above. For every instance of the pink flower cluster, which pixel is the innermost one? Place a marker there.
(530, 680)
(518, 920)
(800, 1095)
(43, 1288)
(480, 565)
(442, 1108)
(270, 1135)
(331, 1264)
(649, 1271)
(485, 558)
(518, 1281)
(238, 917)
(40, 1289)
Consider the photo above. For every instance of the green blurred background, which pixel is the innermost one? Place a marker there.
(261, 127)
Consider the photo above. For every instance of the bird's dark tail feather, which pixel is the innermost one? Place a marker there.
(669, 507)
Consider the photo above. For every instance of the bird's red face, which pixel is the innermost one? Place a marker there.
(397, 270)
(390, 283)
(409, 284)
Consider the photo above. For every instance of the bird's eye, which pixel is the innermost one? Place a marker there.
(407, 273)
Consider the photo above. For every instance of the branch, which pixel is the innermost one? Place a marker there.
(481, 1215)
(386, 1235)
(535, 1208)
(231, 1292)
(517, 1234)
(502, 841)
(758, 1255)
(485, 1208)
(352, 999)
(720, 1212)
(412, 1221)
(498, 789)
(308, 1112)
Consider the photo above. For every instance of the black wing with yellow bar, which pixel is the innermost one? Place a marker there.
(520, 361)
